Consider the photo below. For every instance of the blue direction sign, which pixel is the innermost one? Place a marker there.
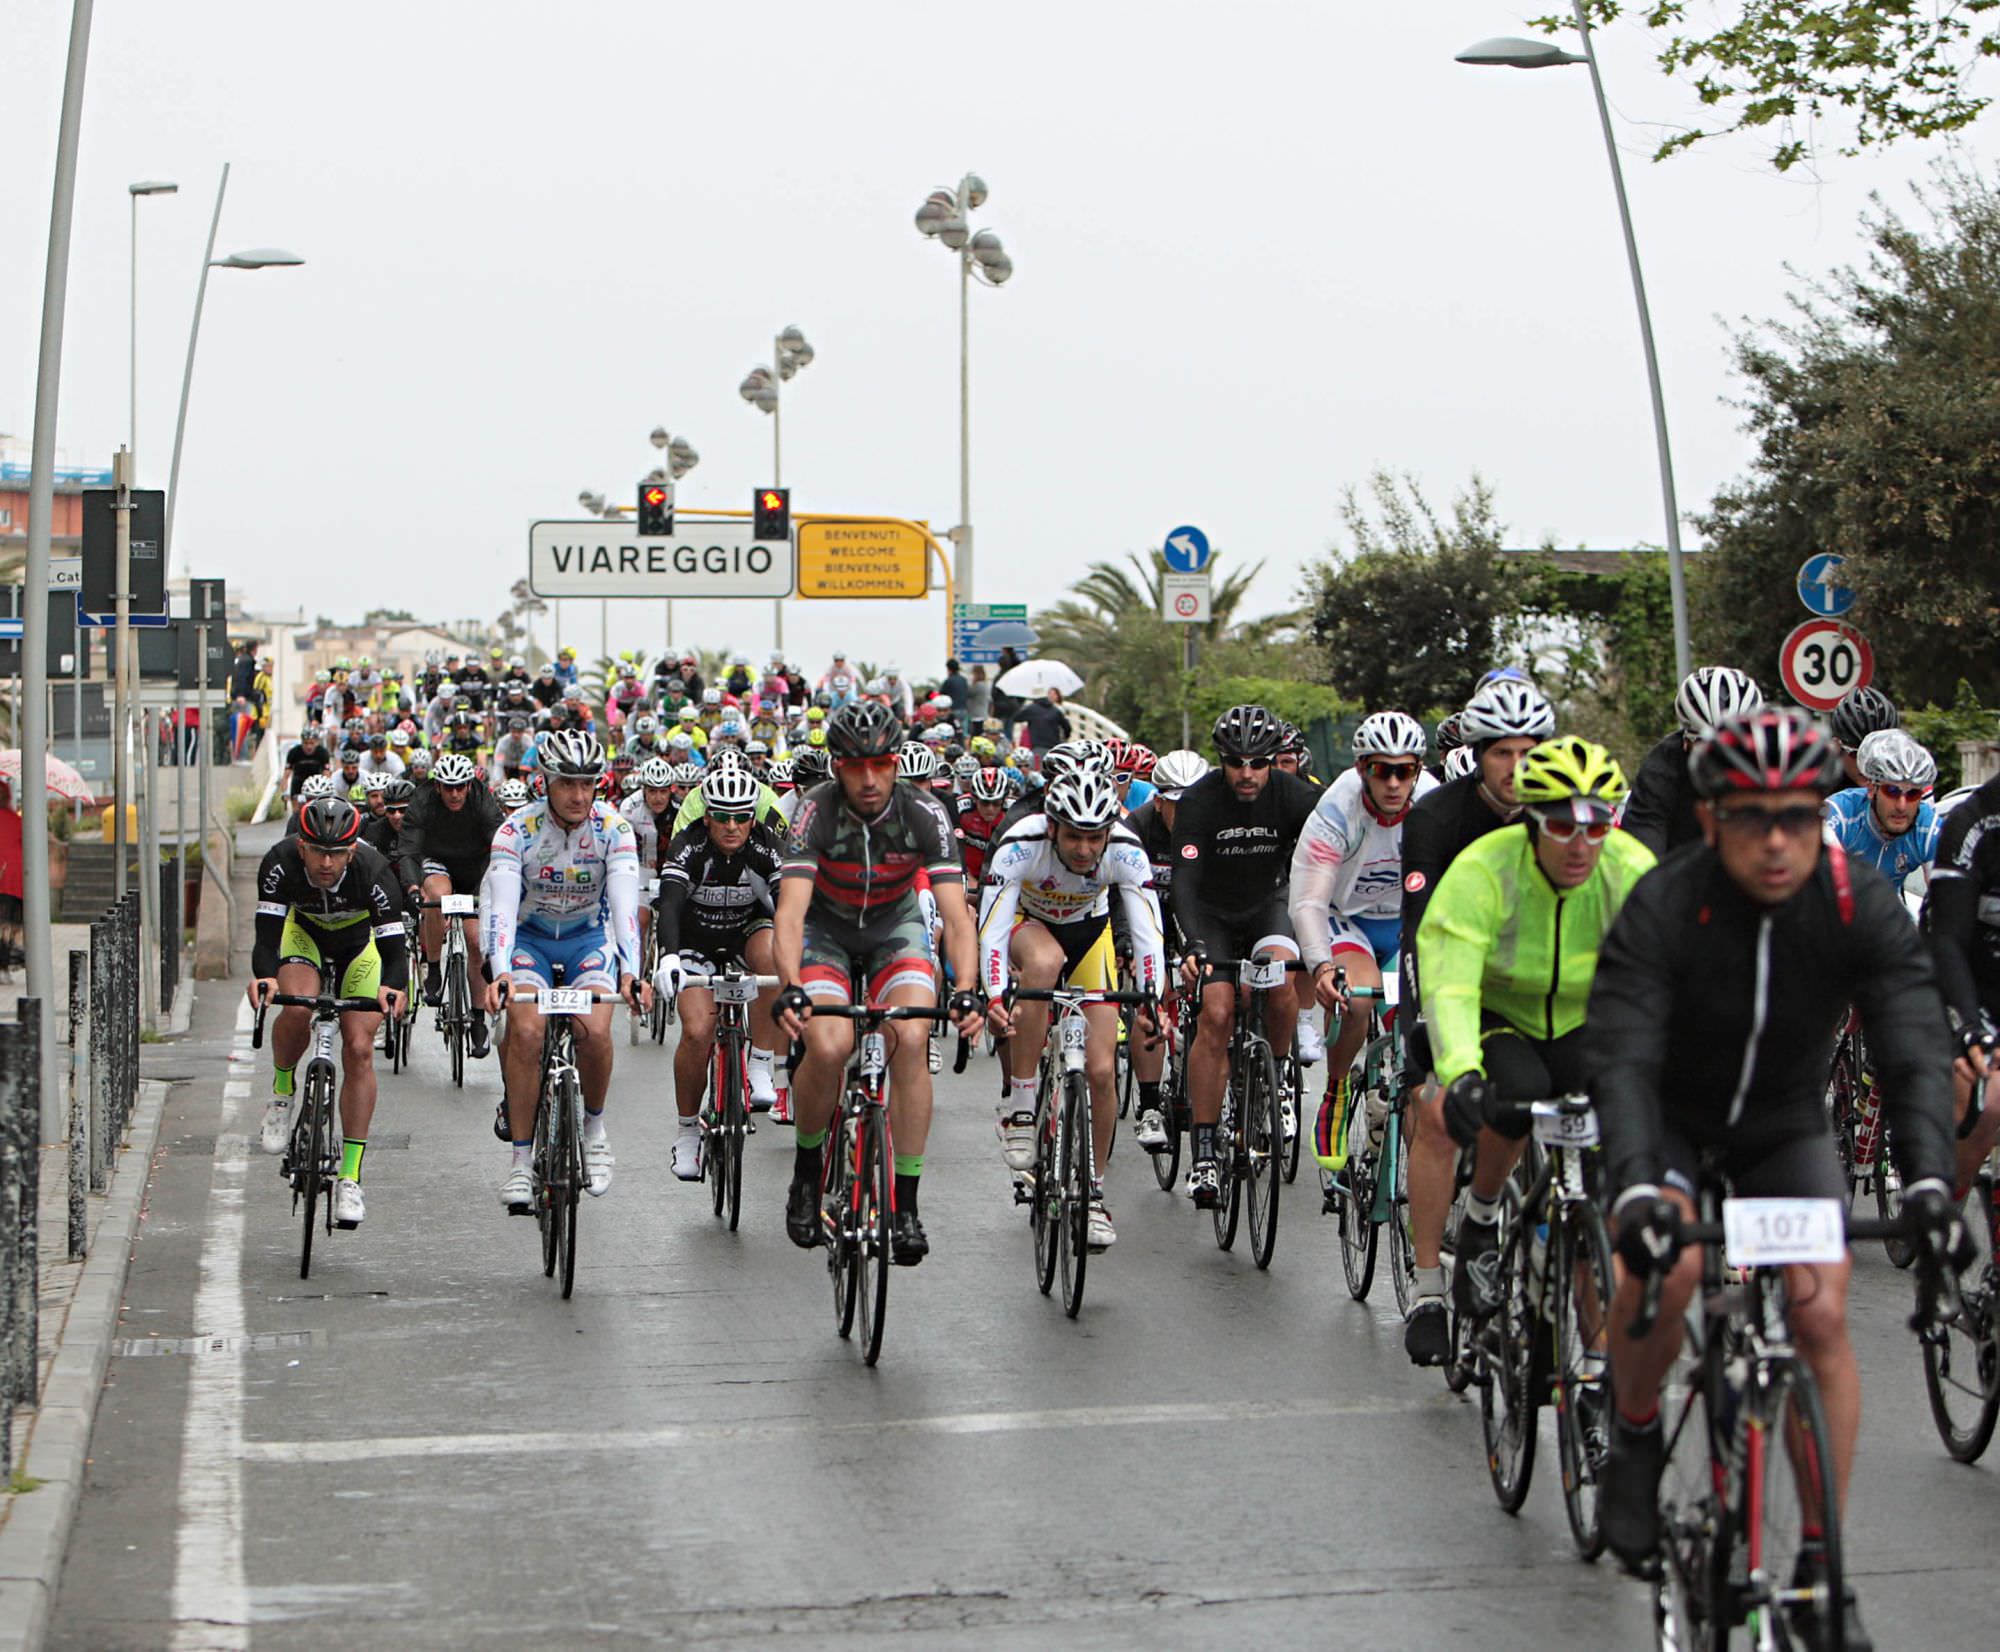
(1187, 550)
(108, 622)
(1820, 588)
(980, 630)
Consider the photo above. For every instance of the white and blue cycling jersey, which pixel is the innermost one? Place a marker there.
(552, 896)
(1139, 793)
(1347, 874)
(1852, 823)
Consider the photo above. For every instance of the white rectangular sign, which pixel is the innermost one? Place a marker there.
(700, 559)
(1184, 598)
(65, 573)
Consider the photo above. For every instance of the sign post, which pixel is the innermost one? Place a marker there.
(699, 559)
(1184, 600)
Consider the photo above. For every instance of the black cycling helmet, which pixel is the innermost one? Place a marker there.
(864, 728)
(1449, 736)
(329, 823)
(398, 793)
(811, 766)
(1864, 711)
(1248, 731)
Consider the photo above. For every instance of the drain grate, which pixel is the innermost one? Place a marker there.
(204, 1146)
(264, 1343)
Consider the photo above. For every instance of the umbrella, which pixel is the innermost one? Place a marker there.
(1032, 677)
(63, 781)
(1009, 634)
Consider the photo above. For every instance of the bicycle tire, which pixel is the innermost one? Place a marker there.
(872, 1261)
(1581, 1250)
(313, 1172)
(1962, 1359)
(455, 1012)
(406, 1025)
(1354, 1198)
(1126, 1083)
(1045, 1205)
(1504, 1348)
(1841, 1089)
(1167, 1161)
(1229, 1186)
(570, 1104)
(1888, 1200)
(734, 1118)
(1787, 1450)
(544, 1171)
(1261, 1156)
(713, 1129)
(837, 1194)
(1402, 1249)
(1073, 1174)
(1294, 1076)
(1690, 1593)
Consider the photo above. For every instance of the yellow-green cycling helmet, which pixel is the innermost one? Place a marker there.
(1571, 779)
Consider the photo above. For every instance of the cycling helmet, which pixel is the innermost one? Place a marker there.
(810, 766)
(1059, 759)
(572, 755)
(1082, 799)
(686, 774)
(711, 696)
(1390, 734)
(916, 762)
(645, 723)
(1860, 714)
(453, 770)
(656, 771)
(399, 738)
(1292, 739)
(1710, 693)
(1093, 755)
(1770, 750)
(420, 761)
(329, 823)
(864, 728)
(1891, 755)
(512, 795)
(375, 782)
(318, 785)
(964, 766)
(1017, 782)
(726, 757)
(1506, 709)
(730, 790)
(990, 786)
(779, 775)
(1138, 761)
(1571, 777)
(1247, 731)
(399, 793)
(1459, 762)
(1177, 771)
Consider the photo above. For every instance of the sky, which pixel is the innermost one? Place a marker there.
(1259, 253)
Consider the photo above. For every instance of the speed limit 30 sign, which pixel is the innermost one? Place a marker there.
(1824, 661)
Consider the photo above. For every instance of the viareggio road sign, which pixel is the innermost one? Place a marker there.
(699, 559)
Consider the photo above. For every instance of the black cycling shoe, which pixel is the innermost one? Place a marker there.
(1810, 1572)
(802, 1224)
(1205, 1184)
(433, 986)
(1628, 1492)
(907, 1244)
(500, 1122)
(476, 1044)
(1427, 1336)
(1475, 1280)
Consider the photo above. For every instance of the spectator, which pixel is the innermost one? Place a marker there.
(1005, 706)
(955, 688)
(1047, 722)
(978, 702)
(243, 672)
(10, 881)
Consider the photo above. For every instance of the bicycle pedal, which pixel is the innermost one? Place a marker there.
(1024, 1189)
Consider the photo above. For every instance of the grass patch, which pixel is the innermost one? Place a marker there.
(23, 1482)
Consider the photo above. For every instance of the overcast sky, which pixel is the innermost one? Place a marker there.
(1260, 251)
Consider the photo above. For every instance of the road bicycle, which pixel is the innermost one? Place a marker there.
(653, 1021)
(1250, 1135)
(1860, 1135)
(1962, 1350)
(396, 1030)
(1057, 1188)
(1178, 1010)
(312, 1152)
(455, 1011)
(1291, 1103)
(1371, 1190)
(725, 1112)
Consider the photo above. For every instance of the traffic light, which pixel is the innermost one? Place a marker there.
(771, 511)
(656, 510)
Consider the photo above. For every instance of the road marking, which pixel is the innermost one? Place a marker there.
(211, 1601)
(548, 1442)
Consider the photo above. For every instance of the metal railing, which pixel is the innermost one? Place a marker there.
(20, 1176)
(104, 1055)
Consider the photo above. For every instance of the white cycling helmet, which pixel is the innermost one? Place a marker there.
(656, 771)
(1177, 771)
(318, 785)
(1390, 734)
(1095, 756)
(571, 755)
(1459, 761)
(453, 770)
(991, 785)
(686, 774)
(916, 762)
(375, 782)
(1711, 693)
(513, 794)
(1890, 755)
(730, 788)
(645, 723)
(1082, 799)
(1505, 710)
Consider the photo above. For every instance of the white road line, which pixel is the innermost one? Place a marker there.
(966, 1422)
(211, 1601)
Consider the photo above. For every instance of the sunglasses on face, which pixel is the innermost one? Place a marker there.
(1902, 794)
(1254, 764)
(870, 765)
(1561, 829)
(732, 817)
(1392, 771)
(1749, 821)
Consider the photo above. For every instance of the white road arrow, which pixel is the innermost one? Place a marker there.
(1183, 544)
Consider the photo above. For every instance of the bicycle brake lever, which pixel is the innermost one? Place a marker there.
(963, 1055)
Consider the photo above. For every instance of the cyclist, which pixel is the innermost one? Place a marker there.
(324, 894)
(561, 890)
(848, 911)
(695, 804)
(303, 761)
(1709, 1032)
(1152, 823)
(1861, 712)
(1133, 776)
(512, 795)
(979, 813)
(1347, 890)
(651, 811)
(1233, 837)
(383, 832)
(721, 873)
(1888, 819)
(447, 838)
(378, 759)
(810, 768)
(1964, 921)
(1660, 813)
(1049, 916)
(1501, 723)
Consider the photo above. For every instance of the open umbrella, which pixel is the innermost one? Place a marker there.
(1033, 677)
(63, 781)
(1009, 634)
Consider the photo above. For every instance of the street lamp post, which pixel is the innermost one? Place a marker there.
(789, 353)
(1513, 53)
(944, 217)
(681, 458)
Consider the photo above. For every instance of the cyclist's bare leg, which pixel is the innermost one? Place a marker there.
(521, 1064)
(474, 958)
(1433, 1168)
(1638, 1367)
(1281, 1008)
(1817, 1313)
(292, 1031)
(1038, 963)
(593, 1055)
(697, 1012)
(358, 1034)
(1973, 1149)
(760, 958)
(910, 1074)
(1100, 1063)
(816, 1084)
(1493, 1161)
(430, 931)
(1208, 1055)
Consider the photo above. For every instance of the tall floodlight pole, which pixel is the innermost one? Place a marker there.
(789, 354)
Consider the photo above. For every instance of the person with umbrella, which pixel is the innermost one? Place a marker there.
(1046, 722)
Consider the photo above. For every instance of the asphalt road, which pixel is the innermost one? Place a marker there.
(425, 1446)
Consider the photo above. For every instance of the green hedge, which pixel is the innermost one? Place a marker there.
(1296, 702)
(1940, 728)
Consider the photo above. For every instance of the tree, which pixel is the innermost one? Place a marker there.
(1877, 415)
(389, 616)
(1894, 68)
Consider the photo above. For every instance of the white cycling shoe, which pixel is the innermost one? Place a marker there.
(1312, 1042)
(597, 1163)
(763, 1088)
(276, 1129)
(1102, 1234)
(687, 1153)
(517, 1192)
(1017, 1138)
(349, 1208)
(1151, 1132)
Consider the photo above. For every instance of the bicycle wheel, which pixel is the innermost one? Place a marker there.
(1073, 1155)
(1889, 1196)
(1789, 1479)
(1261, 1159)
(1504, 1348)
(570, 1135)
(1580, 1252)
(1228, 1150)
(1124, 1084)
(1962, 1359)
(714, 1127)
(1045, 1205)
(318, 1105)
(1354, 1195)
(1173, 1105)
(1842, 1086)
(1691, 1610)
(1294, 1079)
(456, 1014)
(871, 1251)
(1402, 1251)
(837, 1194)
(734, 1118)
(546, 1170)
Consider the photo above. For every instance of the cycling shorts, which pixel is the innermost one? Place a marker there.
(1530, 1069)
(586, 958)
(350, 949)
(1380, 938)
(1804, 1165)
(1239, 934)
(464, 875)
(705, 951)
(1090, 952)
(890, 951)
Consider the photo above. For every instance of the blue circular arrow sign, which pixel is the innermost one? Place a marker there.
(1820, 588)
(1187, 550)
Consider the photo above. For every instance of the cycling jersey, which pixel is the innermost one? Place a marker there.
(364, 906)
(862, 869)
(1435, 831)
(456, 840)
(694, 806)
(654, 832)
(976, 835)
(1232, 856)
(1660, 811)
(1138, 794)
(545, 883)
(1026, 878)
(1348, 864)
(1851, 821)
(1499, 938)
(303, 765)
(724, 896)
(1965, 905)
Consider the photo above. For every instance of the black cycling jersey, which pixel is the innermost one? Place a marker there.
(1711, 1016)
(1660, 811)
(383, 835)
(722, 894)
(365, 898)
(303, 765)
(452, 837)
(1438, 826)
(1232, 856)
(1965, 905)
(862, 869)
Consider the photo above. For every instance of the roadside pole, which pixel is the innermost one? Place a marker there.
(121, 597)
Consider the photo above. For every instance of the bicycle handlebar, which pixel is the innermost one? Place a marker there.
(1050, 995)
(884, 1012)
(710, 980)
(315, 1001)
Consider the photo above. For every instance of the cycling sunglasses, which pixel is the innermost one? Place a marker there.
(732, 817)
(1748, 821)
(1902, 794)
(1561, 829)
(1392, 771)
(1255, 764)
